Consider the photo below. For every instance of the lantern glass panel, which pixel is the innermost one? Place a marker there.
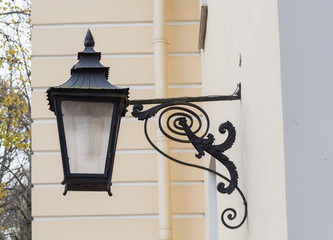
(87, 130)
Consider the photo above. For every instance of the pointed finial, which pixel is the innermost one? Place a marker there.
(89, 40)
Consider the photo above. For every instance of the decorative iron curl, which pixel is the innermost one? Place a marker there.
(183, 113)
(180, 123)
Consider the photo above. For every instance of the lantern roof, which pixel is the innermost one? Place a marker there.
(89, 73)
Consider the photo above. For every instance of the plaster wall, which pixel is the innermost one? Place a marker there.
(123, 32)
(242, 45)
(306, 38)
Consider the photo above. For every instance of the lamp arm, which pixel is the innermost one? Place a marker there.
(237, 94)
(180, 124)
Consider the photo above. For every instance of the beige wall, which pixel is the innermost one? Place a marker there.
(123, 33)
(249, 29)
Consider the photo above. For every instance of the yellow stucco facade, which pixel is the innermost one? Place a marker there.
(242, 46)
(123, 33)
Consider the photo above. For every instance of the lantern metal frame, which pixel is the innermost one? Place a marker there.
(89, 181)
(88, 83)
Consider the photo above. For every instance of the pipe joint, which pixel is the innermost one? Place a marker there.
(162, 40)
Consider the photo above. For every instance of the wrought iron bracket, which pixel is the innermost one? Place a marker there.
(180, 116)
(237, 95)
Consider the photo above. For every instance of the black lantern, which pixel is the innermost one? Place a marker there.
(88, 110)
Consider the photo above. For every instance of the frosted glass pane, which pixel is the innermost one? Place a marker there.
(87, 129)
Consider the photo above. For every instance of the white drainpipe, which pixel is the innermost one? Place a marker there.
(161, 88)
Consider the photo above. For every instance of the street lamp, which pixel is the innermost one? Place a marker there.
(88, 110)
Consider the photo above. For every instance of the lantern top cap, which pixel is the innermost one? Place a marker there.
(89, 40)
(88, 76)
(89, 44)
(88, 72)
